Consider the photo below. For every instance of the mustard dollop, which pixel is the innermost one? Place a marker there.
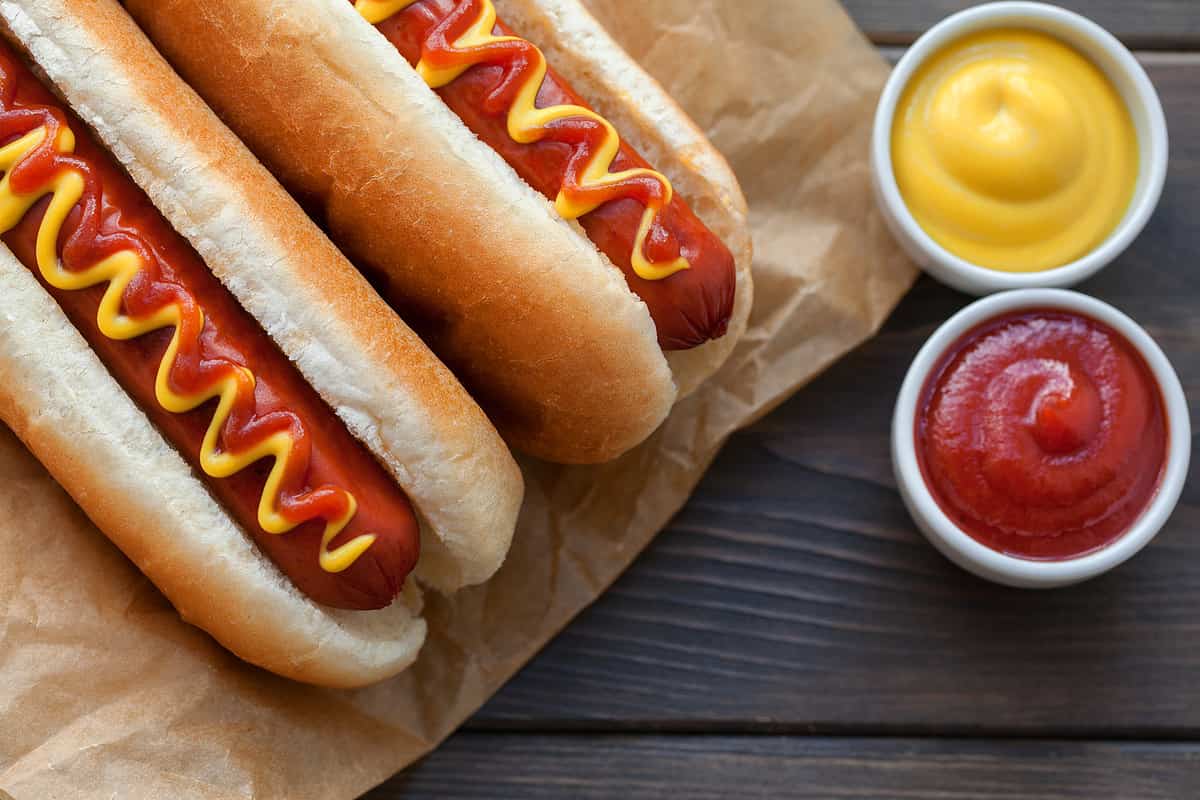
(1014, 151)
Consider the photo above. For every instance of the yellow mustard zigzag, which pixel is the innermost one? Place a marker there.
(118, 270)
(527, 123)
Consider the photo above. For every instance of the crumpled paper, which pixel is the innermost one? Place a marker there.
(105, 692)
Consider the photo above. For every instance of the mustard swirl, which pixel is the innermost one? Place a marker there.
(1014, 151)
(66, 189)
(527, 123)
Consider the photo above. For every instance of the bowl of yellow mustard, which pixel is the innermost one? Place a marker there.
(1017, 145)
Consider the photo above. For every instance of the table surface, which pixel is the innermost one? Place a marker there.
(790, 634)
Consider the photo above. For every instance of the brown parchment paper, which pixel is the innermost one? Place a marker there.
(105, 693)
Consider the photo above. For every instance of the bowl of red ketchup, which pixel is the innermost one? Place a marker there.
(1040, 438)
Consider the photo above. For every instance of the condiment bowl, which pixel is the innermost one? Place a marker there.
(1121, 68)
(955, 543)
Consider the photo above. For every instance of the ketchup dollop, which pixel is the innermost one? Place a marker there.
(1042, 434)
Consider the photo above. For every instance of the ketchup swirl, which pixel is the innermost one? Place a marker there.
(1042, 434)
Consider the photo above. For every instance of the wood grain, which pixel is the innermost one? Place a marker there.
(793, 592)
(632, 767)
(1146, 24)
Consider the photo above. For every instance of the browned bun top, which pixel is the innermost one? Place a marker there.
(540, 326)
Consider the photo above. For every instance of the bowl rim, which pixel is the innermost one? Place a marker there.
(956, 543)
(1052, 19)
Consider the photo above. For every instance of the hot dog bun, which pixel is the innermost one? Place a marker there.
(540, 326)
(382, 382)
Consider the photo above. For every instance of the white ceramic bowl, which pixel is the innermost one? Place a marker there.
(955, 543)
(1109, 55)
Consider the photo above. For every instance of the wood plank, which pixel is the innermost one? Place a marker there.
(793, 592)
(477, 765)
(1149, 24)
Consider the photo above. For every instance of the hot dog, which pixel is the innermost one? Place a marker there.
(245, 424)
(513, 290)
(685, 273)
(209, 343)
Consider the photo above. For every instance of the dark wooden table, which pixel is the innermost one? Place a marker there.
(792, 635)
